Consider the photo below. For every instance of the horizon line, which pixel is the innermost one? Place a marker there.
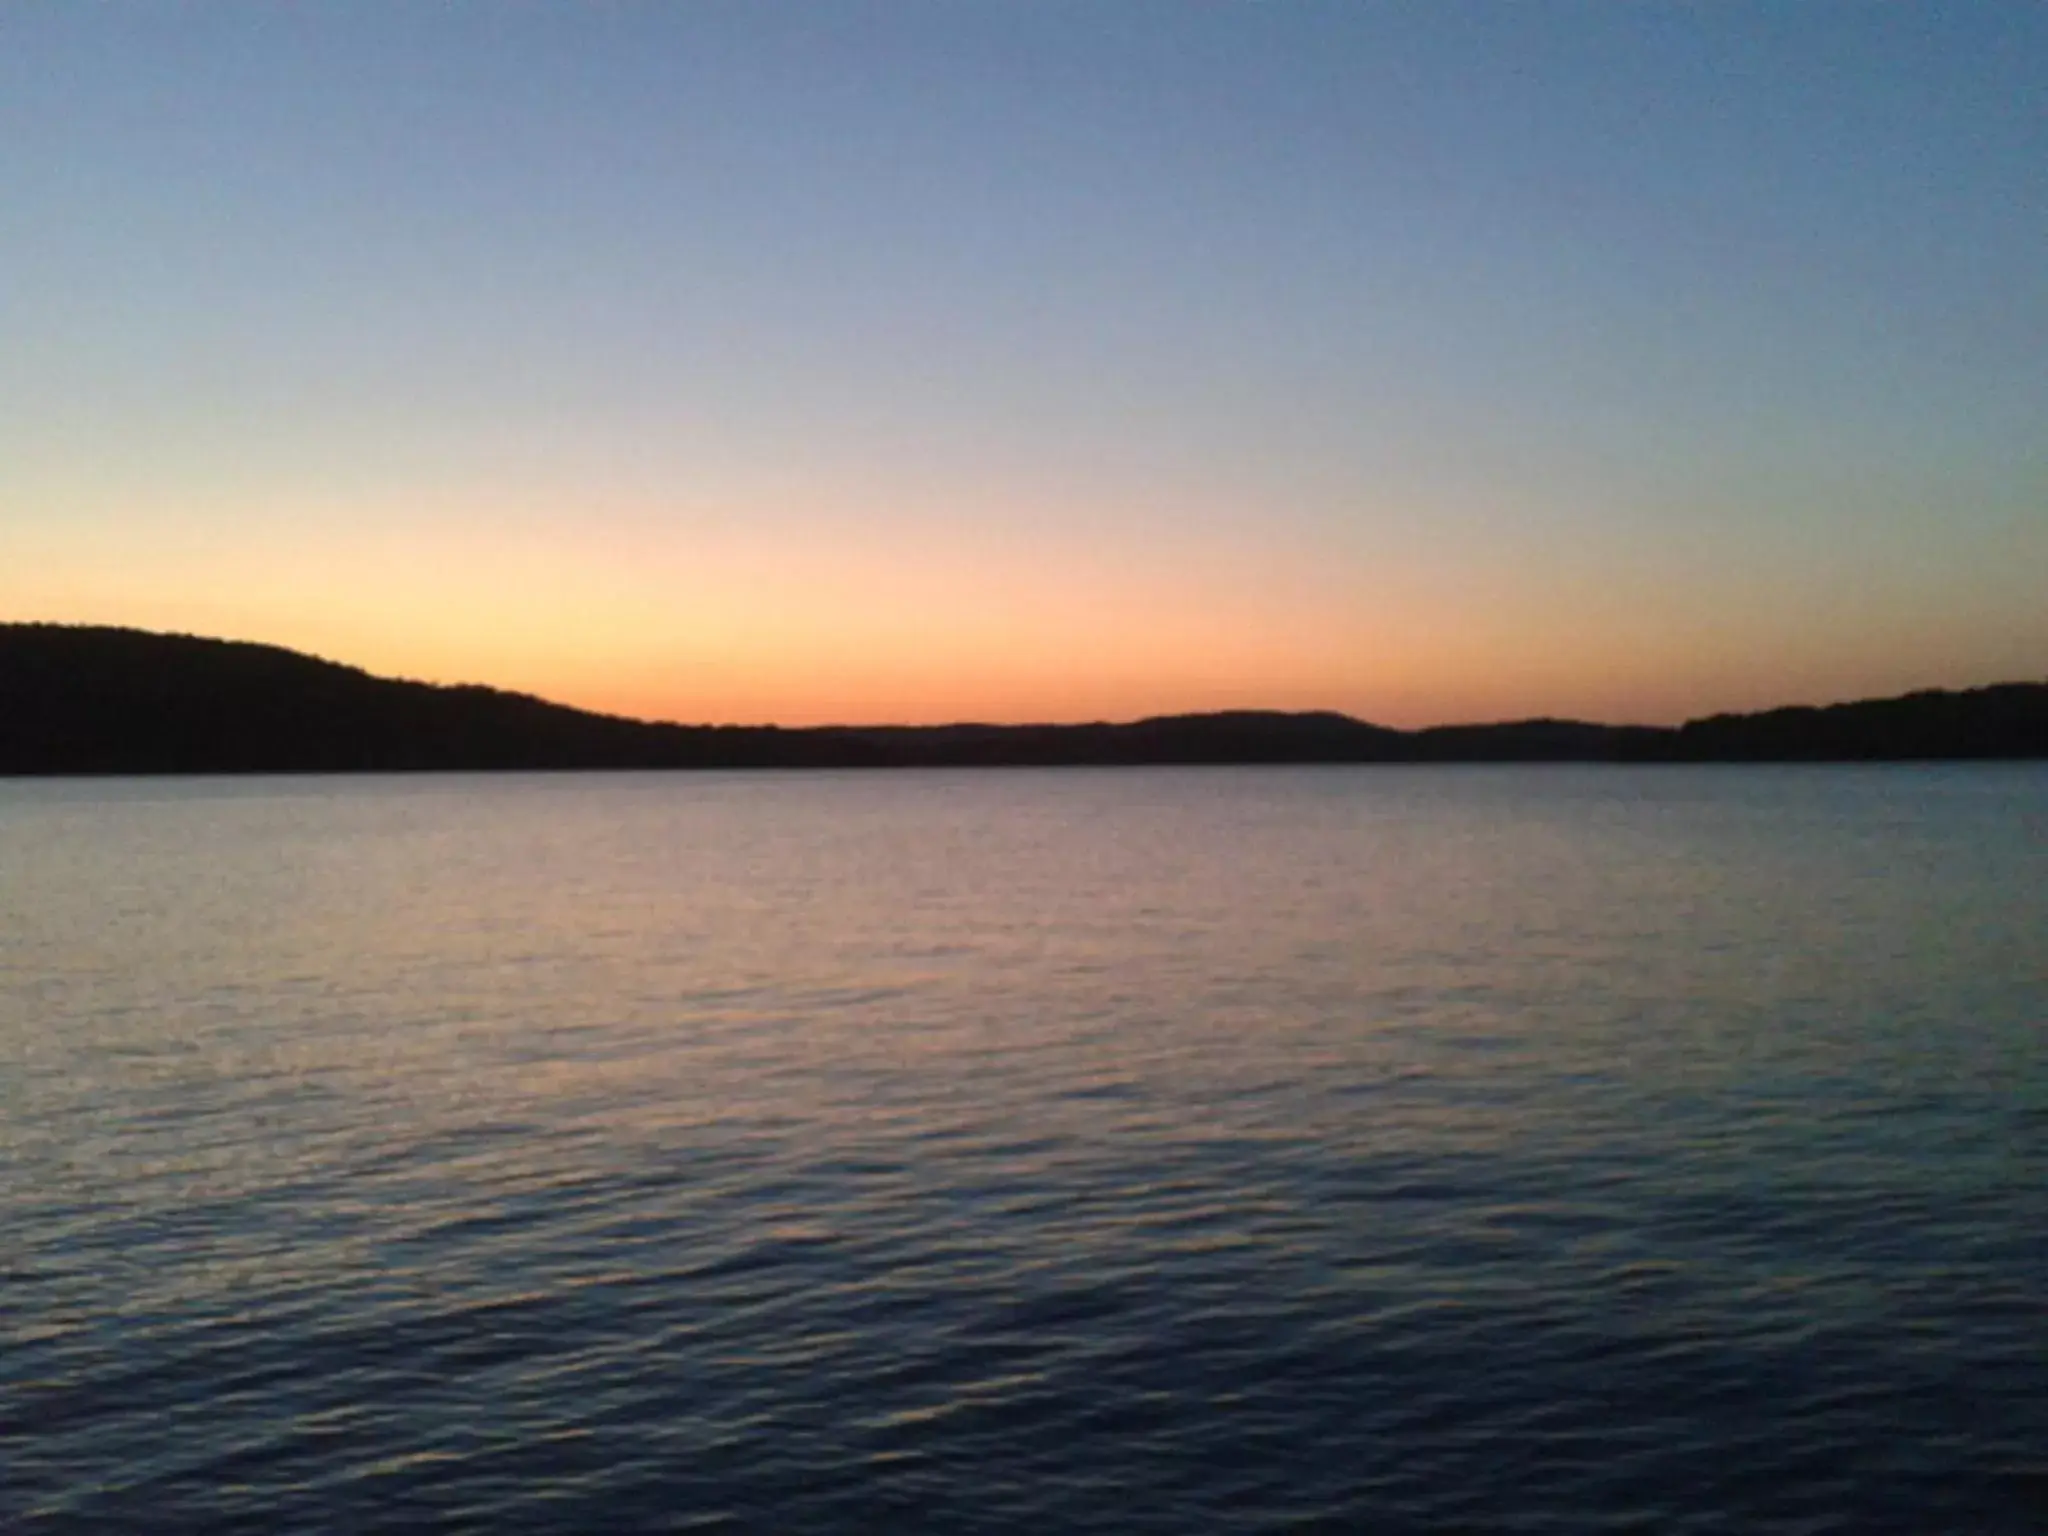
(1251, 711)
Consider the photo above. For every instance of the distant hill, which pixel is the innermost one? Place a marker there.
(78, 699)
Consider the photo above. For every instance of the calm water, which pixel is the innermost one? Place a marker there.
(1521, 1150)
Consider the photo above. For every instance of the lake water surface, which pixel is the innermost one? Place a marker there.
(1394, 1150)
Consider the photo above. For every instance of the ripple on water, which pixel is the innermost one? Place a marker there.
(826, 1154)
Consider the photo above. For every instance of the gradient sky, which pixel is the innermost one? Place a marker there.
(1043, 360)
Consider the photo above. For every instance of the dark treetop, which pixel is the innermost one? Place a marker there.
(82, 699)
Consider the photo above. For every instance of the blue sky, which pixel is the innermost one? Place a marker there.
(1052, 360)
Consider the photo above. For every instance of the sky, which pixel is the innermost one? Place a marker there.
(1040, 359)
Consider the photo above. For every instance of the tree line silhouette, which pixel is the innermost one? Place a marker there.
(79, 699)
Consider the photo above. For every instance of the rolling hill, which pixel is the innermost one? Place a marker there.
(80, 699)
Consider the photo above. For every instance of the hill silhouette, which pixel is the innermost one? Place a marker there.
(79, 699)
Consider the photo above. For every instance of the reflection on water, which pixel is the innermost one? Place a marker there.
(1527, 1149)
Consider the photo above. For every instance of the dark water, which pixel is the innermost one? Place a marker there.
(1520, 1150)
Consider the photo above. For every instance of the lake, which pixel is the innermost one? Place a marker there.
(1384, 1149)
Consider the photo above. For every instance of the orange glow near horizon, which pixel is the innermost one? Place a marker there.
(932, 623)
